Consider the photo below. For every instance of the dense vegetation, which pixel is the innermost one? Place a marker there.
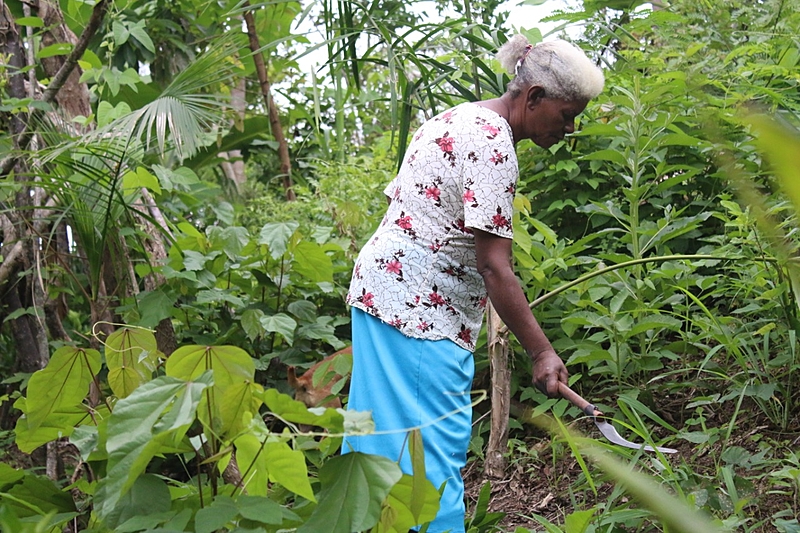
(182, 197)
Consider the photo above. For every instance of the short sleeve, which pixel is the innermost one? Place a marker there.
(490, 174)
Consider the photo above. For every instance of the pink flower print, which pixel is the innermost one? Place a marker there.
(366, 298)
(498, 157)
(396, 322)
(491, 130)
(511, 189)
(445, 142)
(394, 266)
(482, 302)
(465, 334)
(404, 221)
(423, 326)
(436, 299)
(463, 227)
(499, 221)
(435, 246)
(469, 198)
(432, 192)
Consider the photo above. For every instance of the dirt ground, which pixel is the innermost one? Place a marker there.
(536, 484)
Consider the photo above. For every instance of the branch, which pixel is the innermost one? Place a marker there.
(98, 13)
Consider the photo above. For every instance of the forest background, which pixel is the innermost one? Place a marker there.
(172, 240)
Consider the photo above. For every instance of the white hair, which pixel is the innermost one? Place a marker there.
(559, 67)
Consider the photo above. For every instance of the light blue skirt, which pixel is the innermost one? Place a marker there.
(408, 383)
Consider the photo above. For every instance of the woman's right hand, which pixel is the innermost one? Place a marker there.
(548, 371)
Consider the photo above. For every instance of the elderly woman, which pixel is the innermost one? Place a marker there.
(420, 285)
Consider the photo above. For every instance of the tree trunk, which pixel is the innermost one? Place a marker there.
(274, 119)
(497, 448)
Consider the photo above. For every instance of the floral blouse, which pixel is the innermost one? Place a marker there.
(418, 272)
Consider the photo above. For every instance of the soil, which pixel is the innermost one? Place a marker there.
(552, 486)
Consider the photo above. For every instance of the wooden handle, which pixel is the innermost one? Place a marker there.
(577, 400)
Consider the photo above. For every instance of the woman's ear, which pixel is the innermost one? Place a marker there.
(534, 95)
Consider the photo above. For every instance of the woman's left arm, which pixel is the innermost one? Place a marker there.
(494, 265)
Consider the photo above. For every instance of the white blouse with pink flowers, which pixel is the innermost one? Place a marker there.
(418, 271)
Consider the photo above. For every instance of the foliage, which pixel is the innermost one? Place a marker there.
(200, 407)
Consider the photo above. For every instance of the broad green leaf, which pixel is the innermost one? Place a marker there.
(229, 363)
(578, 521)
(148, 495)
(60, 423)
(252, 464)
(276, 236)
(287, 467)
(39, 493)
(260, 509)
(293, 411)
(230, 240)
(234, 373)
(61, 385)
(131, 357)
(238, 403)
(138, 427)
(216, 516)
(154, 306)
(280, 323)
(312, 262)
(303, 310)
(403, 495)
(34, 22)
(140, 34)
(251, 323)
(354, 487)
(9, 475)
(133, 181)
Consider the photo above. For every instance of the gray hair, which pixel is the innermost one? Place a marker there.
(559, 67)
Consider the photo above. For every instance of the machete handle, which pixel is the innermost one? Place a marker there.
(577, 400)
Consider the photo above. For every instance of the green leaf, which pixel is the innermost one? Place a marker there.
(233, 394)
(287, 467)
(216, 516)
(260, 509)
(252, 463)
(120, 32)
(58, 49)
(578, 521)
(612, 156)
(41, 494)
(62, 384)
(131, 357)
(60, 423)
(303, 310)
(291, 410)
(34, 22)
(9, 475)
(354, 486)
(254, 129)
(403, 495)
(138, 32)
(133, 181)
(276, 236)
(148, 495)
(154, 307)
(280, 323)
(312, 262)
(230, 240)
(251, 323)
(140, 424)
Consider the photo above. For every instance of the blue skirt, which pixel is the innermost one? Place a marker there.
(408, 383)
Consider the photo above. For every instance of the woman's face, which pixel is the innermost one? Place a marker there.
(547, 120)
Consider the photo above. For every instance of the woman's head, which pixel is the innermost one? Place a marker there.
(558, 67)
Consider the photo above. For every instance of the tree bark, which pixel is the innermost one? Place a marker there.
(495, 464)
(274, 119)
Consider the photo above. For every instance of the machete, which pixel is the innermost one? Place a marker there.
(605, 428)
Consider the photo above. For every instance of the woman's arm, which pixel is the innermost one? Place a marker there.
(494, 265)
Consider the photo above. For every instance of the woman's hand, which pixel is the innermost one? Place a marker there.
(548, 371)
